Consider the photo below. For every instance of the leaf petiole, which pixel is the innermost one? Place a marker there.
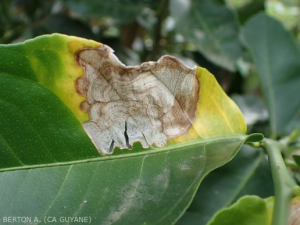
(283, 183)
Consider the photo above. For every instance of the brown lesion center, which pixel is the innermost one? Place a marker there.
(149, 103)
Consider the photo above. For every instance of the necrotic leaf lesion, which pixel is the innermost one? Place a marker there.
(126, 137)
(149, 103)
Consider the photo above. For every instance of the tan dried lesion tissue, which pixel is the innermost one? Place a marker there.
(149, 103)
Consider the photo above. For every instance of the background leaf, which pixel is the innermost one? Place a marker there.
(121, 11)
(211, 27)
(252, 108)
(249, 9)
(297, 159)
(278, 68)
(248, 210)
(247, 174)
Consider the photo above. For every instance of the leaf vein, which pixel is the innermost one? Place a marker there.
(59, 191)
(10, 148)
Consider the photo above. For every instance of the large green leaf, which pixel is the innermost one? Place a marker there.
(211, 27)
(49, 167)
(247, 174)
(153, 187)
(277, 59)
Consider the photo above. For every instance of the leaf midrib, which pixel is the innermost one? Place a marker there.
(269, 83)
(152, 150)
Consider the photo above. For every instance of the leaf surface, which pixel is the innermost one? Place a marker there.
(276, 57)
(297, 159)
(49, 164)
(121, 11)
(211, 27)
(247, 174)
(248, 210)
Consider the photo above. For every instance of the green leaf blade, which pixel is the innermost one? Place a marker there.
(248, 173)
(211, 27)
(297, 159)
(25, 131)
(248, 210)
(276, 57)
(54, 167)
(117, 191)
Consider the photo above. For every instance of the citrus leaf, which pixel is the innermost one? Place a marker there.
(249, 9)
(120, 191)
(247, 174)
(297, 159)
(49, 164)
(248, 210)
(121, 11)
(211, 27)
(268, 42)
(39, 105)
(255, 210)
